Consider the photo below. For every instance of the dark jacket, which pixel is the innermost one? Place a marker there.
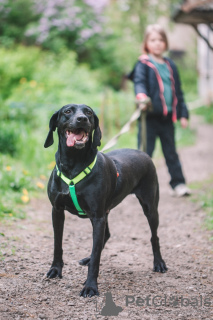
(147, 80)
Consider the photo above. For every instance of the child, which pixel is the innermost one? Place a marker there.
(156, 77)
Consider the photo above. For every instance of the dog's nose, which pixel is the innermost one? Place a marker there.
(82, 119)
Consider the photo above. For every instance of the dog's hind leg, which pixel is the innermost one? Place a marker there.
(149, 204)
(58, 227)
(85, 261)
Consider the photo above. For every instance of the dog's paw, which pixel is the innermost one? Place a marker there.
(160, 266)
(89, 291)
(55, 271)
(84, 262)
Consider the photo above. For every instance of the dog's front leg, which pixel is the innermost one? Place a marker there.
(58, 227)
(91, 287)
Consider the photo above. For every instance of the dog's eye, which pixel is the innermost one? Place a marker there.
(89, 113)
(68, 111)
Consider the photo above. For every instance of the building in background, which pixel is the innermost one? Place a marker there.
(199, 15)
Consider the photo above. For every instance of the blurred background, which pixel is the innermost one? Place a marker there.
(55, 52)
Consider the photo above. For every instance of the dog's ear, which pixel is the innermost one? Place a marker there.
(52, 126)
(97, 133)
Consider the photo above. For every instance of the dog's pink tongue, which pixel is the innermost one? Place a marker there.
(72, 138)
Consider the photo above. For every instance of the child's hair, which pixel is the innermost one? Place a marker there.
(149, 30)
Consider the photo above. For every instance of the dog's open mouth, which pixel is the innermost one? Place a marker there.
(76, 137)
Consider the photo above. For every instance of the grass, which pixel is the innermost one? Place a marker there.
(206, 112)
(203, 194)
(18, 184)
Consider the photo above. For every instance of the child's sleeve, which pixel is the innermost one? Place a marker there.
(139, 78)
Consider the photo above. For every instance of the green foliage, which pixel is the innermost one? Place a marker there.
(9, 138)
(189, 78)
(32, 78)
(120, 45)
(206, 112)
(53, 25)
(107, 37)
(9, 212)
(12, 183)
(14, 65)
(15, 16)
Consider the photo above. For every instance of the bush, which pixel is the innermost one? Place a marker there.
(16, 65)
(9, 138)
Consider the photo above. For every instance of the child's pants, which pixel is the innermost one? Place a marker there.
(159, 126)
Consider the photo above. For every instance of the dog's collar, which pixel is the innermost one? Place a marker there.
(72, 182)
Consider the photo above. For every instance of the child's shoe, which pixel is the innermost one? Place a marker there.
(181, 190)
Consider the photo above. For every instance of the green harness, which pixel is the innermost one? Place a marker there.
(72, 182)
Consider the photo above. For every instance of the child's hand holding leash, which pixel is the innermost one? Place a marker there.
(143, 101)
(184, 122)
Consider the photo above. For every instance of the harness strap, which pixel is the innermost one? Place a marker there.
(72, 182)
(75, 200)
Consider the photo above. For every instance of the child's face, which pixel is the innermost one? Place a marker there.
(156, 44)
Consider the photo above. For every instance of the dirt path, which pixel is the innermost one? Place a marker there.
(184, 292)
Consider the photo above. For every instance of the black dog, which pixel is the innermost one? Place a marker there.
(105, 184)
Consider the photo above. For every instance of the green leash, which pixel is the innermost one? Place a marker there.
(72, 182)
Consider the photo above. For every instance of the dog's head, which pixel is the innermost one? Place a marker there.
(75, 123)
